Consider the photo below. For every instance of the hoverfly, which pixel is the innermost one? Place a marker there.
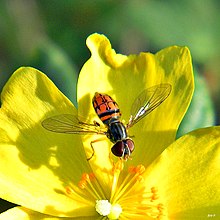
(108, 111)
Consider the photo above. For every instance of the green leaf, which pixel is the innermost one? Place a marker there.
(196, 24)
(54, 62)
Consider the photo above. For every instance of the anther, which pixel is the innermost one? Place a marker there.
(154, 197)
(154, 189)
(138, 169)
(91, 176)
(131, 169)
(82, 184)
(140, 178)
(85, 179)
(160, 207)
(141, 169)
(68, 190)
(154, 192)
(85, 176)
(118, 166)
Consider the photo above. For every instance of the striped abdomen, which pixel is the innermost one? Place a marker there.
(105, 107)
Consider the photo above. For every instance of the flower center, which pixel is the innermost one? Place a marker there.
(104, 208)
(130, 197)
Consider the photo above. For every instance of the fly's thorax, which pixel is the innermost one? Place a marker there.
(116, 130)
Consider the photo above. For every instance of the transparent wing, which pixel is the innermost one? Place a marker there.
(70, 124)
(147, 101)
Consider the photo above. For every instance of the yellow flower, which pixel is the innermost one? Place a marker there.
(47, 174)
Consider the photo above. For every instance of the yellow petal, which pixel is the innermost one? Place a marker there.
(36, 165)
(124, 78)
(20, 213)
(187, 175)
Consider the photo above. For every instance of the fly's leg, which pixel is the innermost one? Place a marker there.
(96, 123)
(131, 136)
(97, 126)
(93, 151)
(91, 145)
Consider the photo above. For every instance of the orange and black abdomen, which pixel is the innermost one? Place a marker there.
(105, 107)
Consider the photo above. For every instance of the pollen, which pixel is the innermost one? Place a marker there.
(103, 207)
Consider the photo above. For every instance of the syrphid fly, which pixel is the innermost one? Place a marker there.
(108, 111)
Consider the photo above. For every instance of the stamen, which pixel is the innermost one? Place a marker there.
(88, 187)
(129, 183)
(133, 197)
(129, 199)
(117, 168)
(73, 193)
(83, 182)
(155, 195)
(138, 169)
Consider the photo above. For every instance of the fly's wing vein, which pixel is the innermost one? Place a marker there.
(147, 101)
(70, 124)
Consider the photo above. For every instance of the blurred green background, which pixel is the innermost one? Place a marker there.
(50, 36)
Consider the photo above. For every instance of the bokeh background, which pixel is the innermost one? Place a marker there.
(50, 36)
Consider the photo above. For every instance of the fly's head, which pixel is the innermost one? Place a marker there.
(123, 148)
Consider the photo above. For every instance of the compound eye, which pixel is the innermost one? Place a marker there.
(118, 149)
(123, 148)
(130, 145)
